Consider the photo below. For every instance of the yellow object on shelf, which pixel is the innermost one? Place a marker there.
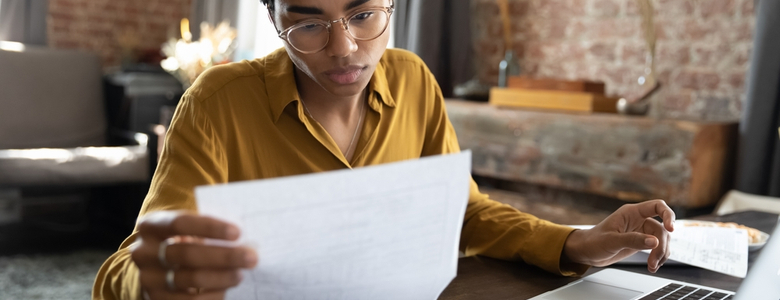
(555, 100)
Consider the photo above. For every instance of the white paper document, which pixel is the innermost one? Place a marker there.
(723, 250)
(381, 232)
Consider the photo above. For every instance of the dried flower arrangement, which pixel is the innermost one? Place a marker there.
(187, 59)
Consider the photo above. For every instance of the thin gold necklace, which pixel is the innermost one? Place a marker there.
(360, 122)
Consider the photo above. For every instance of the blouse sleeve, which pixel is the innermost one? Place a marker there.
(193, 155)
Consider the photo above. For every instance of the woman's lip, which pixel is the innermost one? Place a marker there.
(346, 75)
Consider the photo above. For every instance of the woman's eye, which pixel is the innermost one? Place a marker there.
(309, 27)
(363, 16)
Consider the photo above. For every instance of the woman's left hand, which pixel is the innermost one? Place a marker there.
(629, 229)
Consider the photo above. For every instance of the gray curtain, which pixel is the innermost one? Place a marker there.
(23, 21)
(439, 31)
(758, 166)
(212, 12)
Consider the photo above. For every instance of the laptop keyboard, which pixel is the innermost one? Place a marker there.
(675, 291)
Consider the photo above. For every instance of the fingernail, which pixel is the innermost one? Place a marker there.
(650, 242)
(250, 258)
(232, 231)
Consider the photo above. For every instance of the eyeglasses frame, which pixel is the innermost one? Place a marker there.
(344, 24)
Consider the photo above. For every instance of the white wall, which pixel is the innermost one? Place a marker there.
(266, 39)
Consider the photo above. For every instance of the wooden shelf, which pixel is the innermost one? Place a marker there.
(687, 163)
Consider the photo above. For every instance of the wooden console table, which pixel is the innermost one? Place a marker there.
(687, 163)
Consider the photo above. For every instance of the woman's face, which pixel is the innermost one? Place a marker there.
(344, 67)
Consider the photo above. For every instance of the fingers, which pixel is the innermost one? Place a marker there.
(185, 279)
(196, 255)
(651, 235)
(667, 253)
(633, 228)
(202, 256)
(636, 241)
(163, 224)
(652, 208)
(192, 248)
(660, 253)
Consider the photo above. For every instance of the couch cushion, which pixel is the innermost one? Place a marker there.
(50, 98)
(74, 166)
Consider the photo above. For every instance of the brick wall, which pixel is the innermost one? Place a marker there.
(103, 25)
(702, 52)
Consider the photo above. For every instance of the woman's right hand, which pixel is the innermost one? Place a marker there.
(174, 261)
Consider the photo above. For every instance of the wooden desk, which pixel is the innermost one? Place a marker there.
(487, 278)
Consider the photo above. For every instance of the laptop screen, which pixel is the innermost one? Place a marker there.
(763, 277)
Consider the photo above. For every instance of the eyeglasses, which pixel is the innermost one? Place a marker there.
(312, 36)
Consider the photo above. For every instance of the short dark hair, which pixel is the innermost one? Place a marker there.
(268, 3)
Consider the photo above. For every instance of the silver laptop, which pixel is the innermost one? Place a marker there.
(761, 282)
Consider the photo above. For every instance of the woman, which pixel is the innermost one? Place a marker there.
(334, 97)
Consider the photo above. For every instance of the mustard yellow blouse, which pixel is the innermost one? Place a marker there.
(244, 121)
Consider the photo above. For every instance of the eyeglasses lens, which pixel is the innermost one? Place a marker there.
(314, 36)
